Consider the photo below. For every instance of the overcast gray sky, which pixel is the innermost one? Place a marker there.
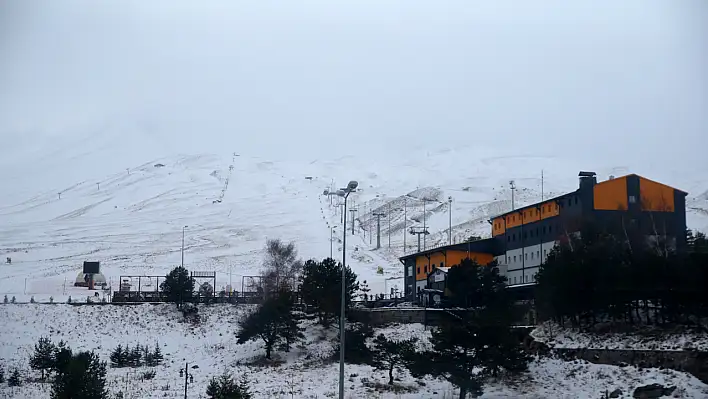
(613, 78)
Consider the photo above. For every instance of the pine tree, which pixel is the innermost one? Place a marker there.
(178, 286)
(364, 288)
(43, 357)
(478, 342)
(321, 288)
(273, 322)
(135, 356)
(157, 354)
(119, 357)
(83, 377)
(14, 380)
(390, 355)
(225, 387)
(62, 357)
(5, 300)
(355, 351)
(13, 300)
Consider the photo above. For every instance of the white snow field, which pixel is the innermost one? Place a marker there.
(303, 374)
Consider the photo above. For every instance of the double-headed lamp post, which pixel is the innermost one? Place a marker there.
(351, 187)
(183, 228)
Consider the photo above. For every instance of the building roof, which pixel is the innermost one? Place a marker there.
(484, 246)
(574, 192)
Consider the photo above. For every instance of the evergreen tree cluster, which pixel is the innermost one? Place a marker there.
(322, 288)
(476, 341)
(136, 356)
(2, 374)
(225, 387)
(14, 380)
(79, 375)
(600, 278)
(274, 322)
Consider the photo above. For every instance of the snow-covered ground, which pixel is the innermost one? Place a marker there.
(556, 337)
(304, 373)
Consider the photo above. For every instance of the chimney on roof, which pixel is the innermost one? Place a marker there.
(587, 179)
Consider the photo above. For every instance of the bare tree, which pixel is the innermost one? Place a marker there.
(281, 266)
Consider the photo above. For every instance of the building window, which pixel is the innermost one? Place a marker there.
(508, 238)
(544, 229)
(410, 270)
(632, 199)
(524, 235)
(527, 278)
(576, 200)
(538, 254)
(531, 257)
(514, 260)
(425, 269)
(417, 270)
(545, 252)
(526, 257)
(441, 265)
(550, 229)
(514, 279)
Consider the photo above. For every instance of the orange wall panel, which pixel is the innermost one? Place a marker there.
(498, 227)
(611, 195)
(454, 258)
(549, 209)
(420, 263)
(655, 196)
(513, 220)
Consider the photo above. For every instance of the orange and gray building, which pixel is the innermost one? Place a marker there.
(522, 238)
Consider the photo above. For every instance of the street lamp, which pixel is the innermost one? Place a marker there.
(351, 187)
(183, 244)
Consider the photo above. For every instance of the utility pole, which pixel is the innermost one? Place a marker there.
(378, 228)
(449, 232)
(419, 232)
(405, 212)
(98, 186)
(389, 224)
(512, 184)
(425, 200)
(541, 185)
(183, 245)
(353, 211)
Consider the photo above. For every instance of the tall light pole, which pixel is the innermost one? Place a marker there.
(512, 184)
(449, 232)
(389, 224)
(184, 227)
(424, 226)
(351, 187)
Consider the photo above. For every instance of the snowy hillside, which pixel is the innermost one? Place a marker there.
(304, 373)
(128, 212)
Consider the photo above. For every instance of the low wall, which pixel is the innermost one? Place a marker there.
(693, 362)
(377, 317)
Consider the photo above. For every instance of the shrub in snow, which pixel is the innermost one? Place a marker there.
(119, 357)
(148, 375)
(355, 351)
(51, 299)
(13, 300)
(5, 299)
(225, 387)
(14, 380)
(82, 377)
(32, 299)
(69, 300)
(43, 357)
(389, 355)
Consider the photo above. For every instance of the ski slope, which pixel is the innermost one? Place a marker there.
(123, 198)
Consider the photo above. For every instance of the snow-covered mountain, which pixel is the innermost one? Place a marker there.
(123, 199)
